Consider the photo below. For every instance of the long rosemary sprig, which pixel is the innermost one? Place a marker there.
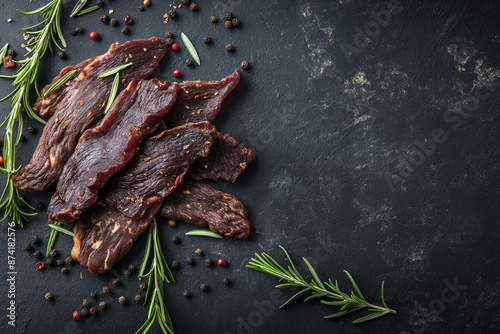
(318, 289)
(158, 275)
(49, 31)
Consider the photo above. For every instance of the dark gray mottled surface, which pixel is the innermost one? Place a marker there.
(333, 133)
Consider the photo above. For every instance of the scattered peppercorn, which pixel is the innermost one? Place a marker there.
(93, 295)
(228, 16)
(37, 255)
(175, 47)
(189, 260)
(209, 262)
(127, 273)
(28, 247)
(31, 129)
(12, 53)
(207, 40)
(69, 260)
(64, 270)
(228, 24)
(40, 206)
(176, 73)
(204, 287)
(175, 239)
(126, 30)
(172, 12)
(105, 289)
(53, 253)
(84, 312)
(138, 298)
(143, 286)
(22, 138)
(132, 267)
(229, 48)
(193, 7)
(198, 251)
(104, 18)
(103, 304)
(227, 281)
(245, 65)
(39, 265)
(48, 296)
(175, 264)
(113, 22)
(86, 303)
(92, 310)
(172, 223)
(186, 294)
(122, 300)
(189, 62)
(79, 29)
(60, 262)
(94, 35)
(169, 34)
(73, 32)
(116, 282)
(50, 261)
(127, 19)
(169, 41)
(235, 22)
(35, 240)
(76, 315)
(221, 262)
(147, 3)
(141, 8)
(100, 3)
(186, 2)
(213, 19)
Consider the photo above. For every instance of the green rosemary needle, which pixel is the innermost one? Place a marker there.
(328, 290)
(3, 51)
(77, 10)
(190, 47)
(114, 90)
(61, 229)
(113, 70)
(52, 238)
(204, 233)
(60, 82)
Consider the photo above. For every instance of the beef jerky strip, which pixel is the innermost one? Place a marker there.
(198, 203)
(82, 106)
(46, 104)
(199, 101)
(228, 158)
(107, 147)
(158, 167)
(103, 236)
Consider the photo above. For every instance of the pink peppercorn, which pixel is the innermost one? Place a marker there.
(175, 47)
(221, 262)
(76, 315)
(176, 73)
(94, 35)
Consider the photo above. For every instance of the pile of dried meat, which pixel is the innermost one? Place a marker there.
(148, 154)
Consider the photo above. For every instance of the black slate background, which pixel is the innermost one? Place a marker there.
(331, 133)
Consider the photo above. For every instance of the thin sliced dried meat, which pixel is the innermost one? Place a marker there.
(228, 158)
(200, 101)
(103, 236)
(157, 168)
(197, 203)
(107, 147)
(82, 106)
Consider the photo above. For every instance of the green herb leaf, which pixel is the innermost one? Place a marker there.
(52, 238)
(3, 52)
(113, 70)
(60, 82)
(87, 10)
(204, 233)
(62, 230)
(190, 47)
(79, 5)
(114, 90)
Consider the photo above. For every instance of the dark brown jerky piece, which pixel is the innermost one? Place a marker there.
(228, 158)
(46, 105)
(103, 236)
(107, 147)
(199, 101)
(157, 168)
(197, 203)
(82, 106)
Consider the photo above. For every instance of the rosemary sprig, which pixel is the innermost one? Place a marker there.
(204, 233)
(3, 52)
(318, 289)
(59, 82)
(52, 238)
(114, 90)
(57, 227)
(158, 274)
(190, 47)
(49, 31)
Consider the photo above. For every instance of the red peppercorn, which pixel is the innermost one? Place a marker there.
(1, 160)
(39, 265)
(175, 47)
(176, 73)
(94, 35)
(221, 262)
(104, 18)
(127, 19)
(76, 315)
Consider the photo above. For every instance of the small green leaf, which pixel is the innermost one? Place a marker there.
(382, 295)
(294, 296)
(114, 90)
(114, 70)
(370, 317)
(354, 285)
(79, 5)
(60, 82)
(190, 47)
(87, 10)
(3, 52)
(62, 230)
(204, 233)
(341, 313)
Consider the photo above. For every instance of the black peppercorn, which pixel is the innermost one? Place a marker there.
(122, 300)
(229, 16)
(113, 22)
(40, 206)
(35, 240)
(127, 273)
(186, 2)
(186, 294)
(53, 253)
(227, 281)
(69, 260)
(104, 18)
(169, 41)
(73, 32)
(175, 264)
(193, 7)
(64, 270)
(48, 296)
(141, 8)
(204, 287)
(12, 53)
(235, 22)
(213, 19)
(207, 40)
(28, 247)
(198, 251)
(171, 12)
(103, 305)
(209, 262)
(138, 298)
(37, 254)
(143, 286)
(50, 261)
(79, 29)
(60, 262)
(189, 260)
(245, 65)
(169, 34)
(175, 239)
(93, 295)
(22, 138)
(116, 282)
(106, 289)
(31, 129)
(86, 303)
(228, 24)
(189, 62)
(100, 3)
(229, 48)
(127, 19)
(84, 312)
(92, 310)
(132, 268)
(126, 30)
